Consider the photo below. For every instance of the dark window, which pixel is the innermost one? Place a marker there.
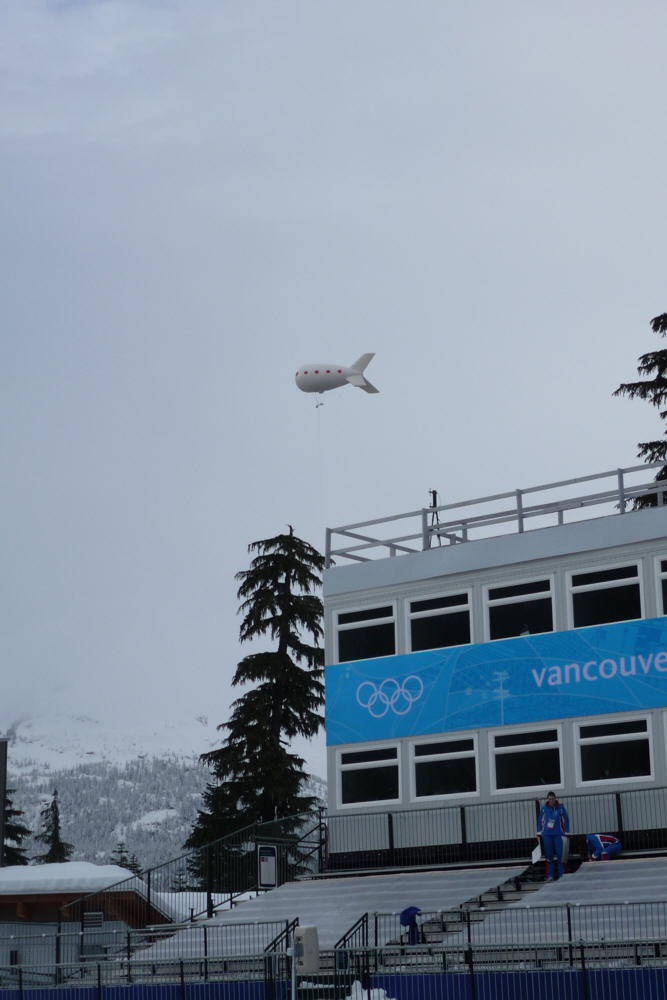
(446, 777)
(436, 631)
(528, 768)
(452, 746)
(522, 739)
(611, 604)
(364, 756)
(613, 729)
(624, 759)
(366, 642)
(432, 604)
(663, 565)
(664, 597)
(347, 617)
(604, 576)
(372, 784)
(519, 590)
(528, 617)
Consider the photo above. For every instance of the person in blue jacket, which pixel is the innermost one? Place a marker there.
(552, 824)
(602, 846)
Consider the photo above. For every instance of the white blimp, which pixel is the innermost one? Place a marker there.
(320, 377)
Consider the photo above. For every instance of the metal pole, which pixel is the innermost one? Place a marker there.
(621, 492)
(519, 510)
(3, 793)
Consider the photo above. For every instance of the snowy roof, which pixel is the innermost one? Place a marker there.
(71, 876)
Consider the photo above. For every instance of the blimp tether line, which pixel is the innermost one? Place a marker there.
(323, 376)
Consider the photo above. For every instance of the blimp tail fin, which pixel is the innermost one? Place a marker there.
(362, 382)
(362, 362)
(356, 378)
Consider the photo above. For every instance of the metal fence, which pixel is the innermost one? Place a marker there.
(51, 945)
(513, 511)
(518, 926)
(563, 969)
(489, 832)
(206, 879)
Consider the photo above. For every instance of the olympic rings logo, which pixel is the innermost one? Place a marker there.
(390, 695)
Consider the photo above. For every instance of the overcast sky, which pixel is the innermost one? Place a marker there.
(199, 196)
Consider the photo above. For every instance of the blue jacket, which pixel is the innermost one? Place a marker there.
(602, 843)
(553, 820)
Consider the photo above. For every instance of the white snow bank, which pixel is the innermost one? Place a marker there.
(359, 993)
(70, 876)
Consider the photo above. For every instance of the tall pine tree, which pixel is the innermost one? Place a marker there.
(654, 389)
(15, 834)
(49, 834)
(257, 777)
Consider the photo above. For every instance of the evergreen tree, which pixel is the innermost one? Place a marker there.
(58, 849)
(15, 834)
(119, 855)
(653, 389)
(257, 777)
(134, 866)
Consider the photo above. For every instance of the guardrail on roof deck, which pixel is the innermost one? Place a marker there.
(502, 513)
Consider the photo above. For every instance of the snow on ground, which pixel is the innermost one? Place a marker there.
(357, 992)
(63, 739)
(71, 876)
(150, 820)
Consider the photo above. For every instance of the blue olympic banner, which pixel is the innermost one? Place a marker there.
(590, 671)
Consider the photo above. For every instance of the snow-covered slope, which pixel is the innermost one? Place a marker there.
(115, 783)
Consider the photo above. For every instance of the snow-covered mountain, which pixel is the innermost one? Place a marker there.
(114, 784)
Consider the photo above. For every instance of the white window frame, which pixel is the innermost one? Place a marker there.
(598, 720)
(660, 575)
(605, 585)
(366, 766)
(349, 627)
(435, 612)
(518, 746)
(455, 755)
(520, 599)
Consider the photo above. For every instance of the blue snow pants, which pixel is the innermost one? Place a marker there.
(552, 846)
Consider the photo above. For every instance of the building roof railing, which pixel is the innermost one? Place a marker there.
(500, 513)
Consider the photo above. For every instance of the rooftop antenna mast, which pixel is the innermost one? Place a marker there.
(435, 516)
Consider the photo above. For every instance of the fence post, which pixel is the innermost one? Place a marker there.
(58, 947)
(390, 836)
(585, 986)
(426, 541)
(569, 935)
(621, 492)
(464, 834)
(148, 896)
(209, 884)
(519, 510)
(320, 842)
(619, 813)
(471, 965)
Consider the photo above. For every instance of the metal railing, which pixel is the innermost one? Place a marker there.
(206, 879)
(499, 513)
(68, 944)
(369, 967)
(490, 832)
(526, 925)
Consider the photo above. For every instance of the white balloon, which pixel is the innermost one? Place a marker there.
(322, 376)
